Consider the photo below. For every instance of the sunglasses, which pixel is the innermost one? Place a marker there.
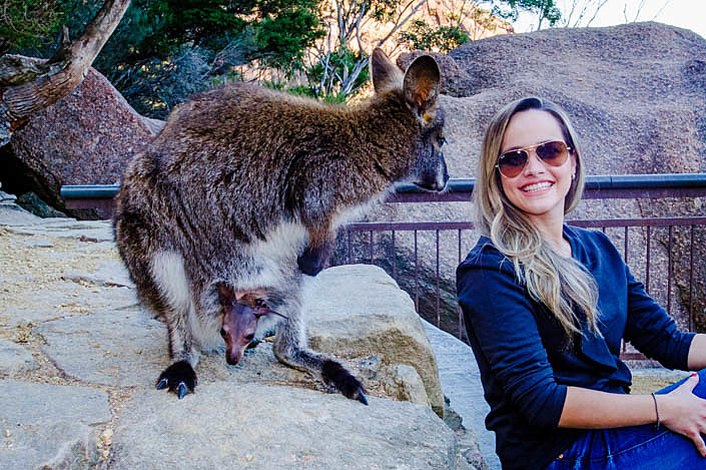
(512, 162)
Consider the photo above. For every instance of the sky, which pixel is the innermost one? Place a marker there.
(689, 14)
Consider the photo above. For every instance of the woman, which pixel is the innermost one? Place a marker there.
(546, 306)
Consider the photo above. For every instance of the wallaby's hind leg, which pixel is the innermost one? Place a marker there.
(167, 270)
(291, 348)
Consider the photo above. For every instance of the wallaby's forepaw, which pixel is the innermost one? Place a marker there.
(180, 377)
(312, 261)
(336, 375)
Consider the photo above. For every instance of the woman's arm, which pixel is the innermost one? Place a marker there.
(679, 410)
(697, 353)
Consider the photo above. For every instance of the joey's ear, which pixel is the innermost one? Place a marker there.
(421, 84)
(385, 74)
(226, 294)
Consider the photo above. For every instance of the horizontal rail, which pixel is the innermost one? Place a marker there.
(592, 223)
(460, 189)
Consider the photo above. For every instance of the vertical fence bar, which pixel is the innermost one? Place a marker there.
(691, 281)
(625, 256)
(350, 245)
(647, 267)
(416, 274)
(669, 271)
(394, 258)
(438, 310)
(371, 248)
(458, 307)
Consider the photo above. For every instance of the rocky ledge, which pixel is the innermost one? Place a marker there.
(79, 358)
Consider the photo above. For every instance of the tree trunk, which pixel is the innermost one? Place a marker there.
(28, 84)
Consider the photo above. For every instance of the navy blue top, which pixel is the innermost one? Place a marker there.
(525, 359)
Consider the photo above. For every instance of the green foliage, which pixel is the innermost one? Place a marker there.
(282, 38)
(443, 39)
(25, 24)
(332, 78)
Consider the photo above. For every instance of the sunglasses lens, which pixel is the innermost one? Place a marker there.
(511, 163)
(553, 153)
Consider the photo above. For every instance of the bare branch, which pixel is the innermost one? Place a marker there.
(401, 22)
(59, 75)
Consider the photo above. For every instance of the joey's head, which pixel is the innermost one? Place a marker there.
(241, 313)
(419, 90)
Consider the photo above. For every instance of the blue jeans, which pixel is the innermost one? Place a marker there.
(635, 447)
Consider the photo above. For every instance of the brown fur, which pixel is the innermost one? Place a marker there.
(245, 183)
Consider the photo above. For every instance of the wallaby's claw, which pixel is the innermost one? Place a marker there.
(335, 374)
(179, 377)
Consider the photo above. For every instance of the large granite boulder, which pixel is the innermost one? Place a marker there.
(87, 137)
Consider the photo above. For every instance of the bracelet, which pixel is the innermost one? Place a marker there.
(656, 411)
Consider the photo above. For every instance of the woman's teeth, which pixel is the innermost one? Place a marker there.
(530, 188)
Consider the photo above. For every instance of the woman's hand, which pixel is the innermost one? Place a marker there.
(684, 413)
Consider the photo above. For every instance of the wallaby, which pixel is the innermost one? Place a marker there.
(240, 195)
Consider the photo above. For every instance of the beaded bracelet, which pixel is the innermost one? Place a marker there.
(656, 411)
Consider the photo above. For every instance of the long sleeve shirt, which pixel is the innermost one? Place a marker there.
(526, 360)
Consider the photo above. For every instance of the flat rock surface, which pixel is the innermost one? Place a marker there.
(15, 359)
(49, 424)
(246, 427)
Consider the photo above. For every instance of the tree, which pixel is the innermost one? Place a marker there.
(28, 84)
(339, 63)
(543, 9)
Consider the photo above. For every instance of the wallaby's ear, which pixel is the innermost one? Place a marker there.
(385, 74)
(421, 84)
(226, 294)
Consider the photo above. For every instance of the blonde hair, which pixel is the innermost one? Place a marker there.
(561, 283)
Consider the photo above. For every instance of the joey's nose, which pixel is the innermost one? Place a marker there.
(233, 357)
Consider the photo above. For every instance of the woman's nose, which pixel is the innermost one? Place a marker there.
(534, 164)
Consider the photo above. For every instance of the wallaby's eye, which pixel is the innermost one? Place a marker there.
(441, 141)
(223, 332)
(249, 337)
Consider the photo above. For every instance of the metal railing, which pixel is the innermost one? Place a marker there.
(434, 293)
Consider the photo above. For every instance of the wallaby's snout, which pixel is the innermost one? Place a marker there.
(435, 177)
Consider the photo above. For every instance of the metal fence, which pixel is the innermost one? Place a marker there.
(647, 244)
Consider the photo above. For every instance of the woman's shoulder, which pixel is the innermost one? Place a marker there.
(485, 255)
(591, 241)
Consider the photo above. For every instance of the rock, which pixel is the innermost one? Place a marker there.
(265, 427)
(36, 206)
(358, 310)
(12, 215)
(110, 274)
(85, 138)
(15, 359)
(116, 348)
(378, 333)
(85, 230)
(460, 377)
(49, 426)
(405, 384)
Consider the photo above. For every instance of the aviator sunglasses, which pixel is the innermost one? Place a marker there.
(512, 162)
